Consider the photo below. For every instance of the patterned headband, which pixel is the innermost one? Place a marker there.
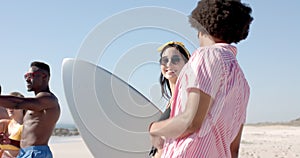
(159, 49)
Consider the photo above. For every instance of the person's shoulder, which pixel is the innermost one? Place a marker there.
(44, 94)
(206, 52)
(207, 49)
(49, 95)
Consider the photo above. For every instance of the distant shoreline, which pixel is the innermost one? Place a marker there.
(65, 130)
(71, 129)
(295, 122)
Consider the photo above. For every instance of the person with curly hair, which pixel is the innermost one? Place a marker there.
(211, 92)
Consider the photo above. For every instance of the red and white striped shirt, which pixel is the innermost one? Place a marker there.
(215, 71)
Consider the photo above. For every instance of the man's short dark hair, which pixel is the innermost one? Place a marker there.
(41, 65)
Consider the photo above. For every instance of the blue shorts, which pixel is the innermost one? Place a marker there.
(42, 151)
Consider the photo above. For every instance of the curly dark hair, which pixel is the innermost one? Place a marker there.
(227, 20)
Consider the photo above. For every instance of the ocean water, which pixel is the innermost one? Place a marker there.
(64, 125)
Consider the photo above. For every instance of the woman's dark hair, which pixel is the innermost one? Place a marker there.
(227, 20)
(164, 83)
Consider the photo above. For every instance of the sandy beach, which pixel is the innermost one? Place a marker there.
(69, 146)
(258, 141)
(275, 141)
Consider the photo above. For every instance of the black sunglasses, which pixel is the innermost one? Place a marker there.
(175, 59)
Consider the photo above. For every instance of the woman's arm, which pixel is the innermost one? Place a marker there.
(3, 124)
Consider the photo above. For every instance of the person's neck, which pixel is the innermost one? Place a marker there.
(18, 120)
(207, 40)
(172, 87)
(45, 89)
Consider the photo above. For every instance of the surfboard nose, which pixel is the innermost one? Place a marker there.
(111, 115)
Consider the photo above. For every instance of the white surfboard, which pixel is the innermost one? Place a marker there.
(112, 117)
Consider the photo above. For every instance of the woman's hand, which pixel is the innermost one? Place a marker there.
(157, 141)
(4, 138)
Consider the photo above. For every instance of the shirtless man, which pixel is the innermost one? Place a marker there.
(42, 112)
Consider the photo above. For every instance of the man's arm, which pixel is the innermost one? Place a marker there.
(189, 121)
(204, 104)
(8, 101)
(42, 101)
(235, 145)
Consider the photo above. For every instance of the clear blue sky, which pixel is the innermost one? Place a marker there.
(53, 30)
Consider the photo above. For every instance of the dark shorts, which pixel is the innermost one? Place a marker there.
(42, 151)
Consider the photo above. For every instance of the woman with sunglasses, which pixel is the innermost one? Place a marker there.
(173, 56)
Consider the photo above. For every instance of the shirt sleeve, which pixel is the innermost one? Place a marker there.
(205, 72)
